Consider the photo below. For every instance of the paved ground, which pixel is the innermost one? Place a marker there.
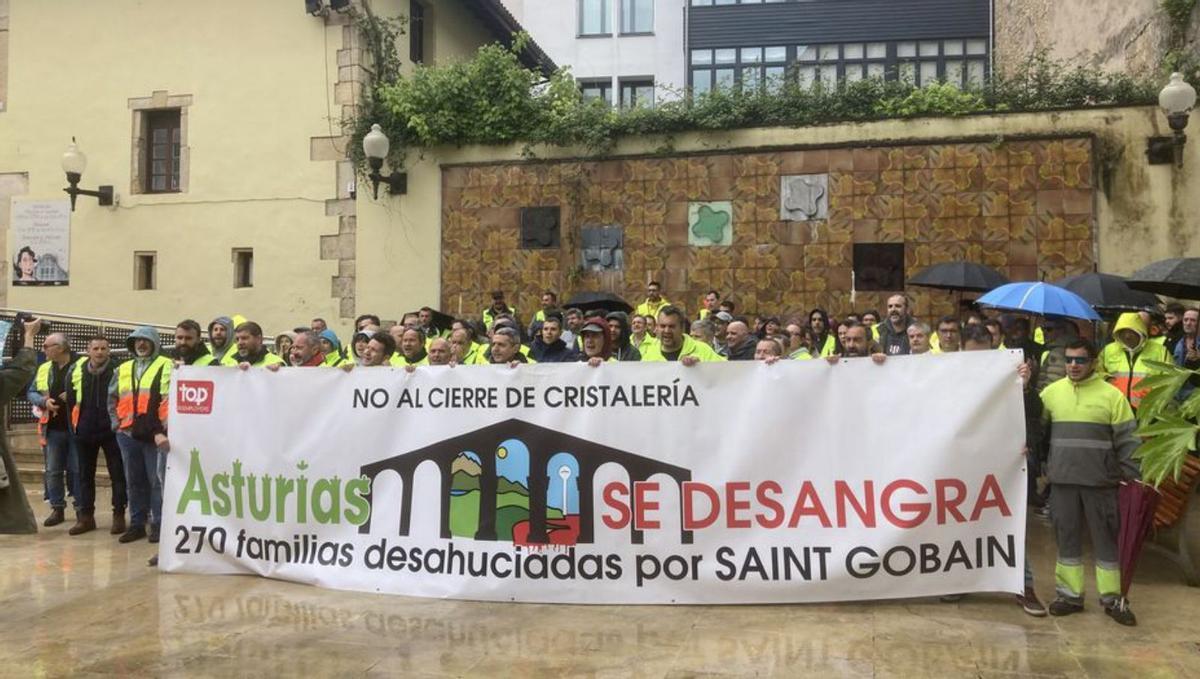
(87, 606)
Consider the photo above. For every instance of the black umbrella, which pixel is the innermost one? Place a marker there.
(1106, 292)
(961, 276)
(599, 301)
(1179, 277)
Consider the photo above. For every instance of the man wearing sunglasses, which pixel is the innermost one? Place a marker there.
(1092, 443)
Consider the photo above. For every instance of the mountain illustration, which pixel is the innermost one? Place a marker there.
(464, 463)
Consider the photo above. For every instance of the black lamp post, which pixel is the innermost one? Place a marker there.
(375, 148)
(1176, 100)
(74, 162)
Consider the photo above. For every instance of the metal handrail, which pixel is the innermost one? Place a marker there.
(51, 315)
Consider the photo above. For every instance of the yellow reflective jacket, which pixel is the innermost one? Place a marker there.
(690, 347)
(1125, 368)
(1091, 429)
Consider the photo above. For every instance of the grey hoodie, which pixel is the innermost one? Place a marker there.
(230, 344)
(140, 364)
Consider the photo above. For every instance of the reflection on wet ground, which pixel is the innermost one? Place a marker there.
(89, 606)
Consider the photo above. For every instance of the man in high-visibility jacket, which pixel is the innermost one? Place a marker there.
(252, 353)
(497, 309)
(220, 338)
(464, 350)
(1092, 444)
(712, 304)
(411, 350)
(674, 344)
(92, 430)
(654, 303)
(189, 350)
(1123, 360)
(331, 347)
(137, 407)
(48, 394)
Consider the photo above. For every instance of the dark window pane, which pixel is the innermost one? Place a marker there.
(879, 266)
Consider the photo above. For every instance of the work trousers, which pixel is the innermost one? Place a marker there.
(89, 454)
(1071, 508)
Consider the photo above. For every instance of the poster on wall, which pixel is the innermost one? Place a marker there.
(40, 242)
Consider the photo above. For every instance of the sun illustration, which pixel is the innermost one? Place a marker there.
(502, 452)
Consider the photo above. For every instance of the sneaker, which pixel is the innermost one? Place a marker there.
(154, 534)
(153, 561)
(1060, 607)
(134, 533)
(1030, 604)
(1042, 512)
(1119, 610)
(951, 598)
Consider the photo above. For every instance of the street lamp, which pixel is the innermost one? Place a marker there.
(375, 148)
(1176, 100)
(74, 162)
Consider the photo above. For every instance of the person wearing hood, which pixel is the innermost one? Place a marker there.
(331, 346)
(548, 346)
(87, 399)
(597, 342)
(618, 327)
(138, 396)
(47, 393)
(16, 516)
(251, 353)
(220, 339)
(1124, 360)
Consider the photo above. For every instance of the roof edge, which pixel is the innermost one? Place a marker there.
(503, 24)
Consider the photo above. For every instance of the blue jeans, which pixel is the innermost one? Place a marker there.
(142, 480)
(61, 458)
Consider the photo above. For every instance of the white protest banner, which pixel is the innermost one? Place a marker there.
(626, 483)
(40, 242)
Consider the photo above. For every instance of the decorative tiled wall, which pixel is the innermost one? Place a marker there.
(1025, 208)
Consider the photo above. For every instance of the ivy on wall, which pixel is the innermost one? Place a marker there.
(494, 99)
(1178, 57)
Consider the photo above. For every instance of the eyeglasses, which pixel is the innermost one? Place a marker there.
(1078, 360)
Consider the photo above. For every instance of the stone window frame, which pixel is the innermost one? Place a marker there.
(142, 281)
(140, 106)
(4, 52)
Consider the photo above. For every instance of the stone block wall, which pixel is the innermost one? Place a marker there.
(1023, 207)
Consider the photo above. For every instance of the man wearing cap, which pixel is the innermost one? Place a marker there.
(720, 321)
(497, 309)
(597, 342)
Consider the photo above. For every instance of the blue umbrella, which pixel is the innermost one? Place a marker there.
(1039, 298)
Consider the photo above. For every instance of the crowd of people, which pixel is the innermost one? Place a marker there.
(1079, 399)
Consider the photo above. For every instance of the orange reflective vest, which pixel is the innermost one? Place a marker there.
(134, 399)
(1124, 371)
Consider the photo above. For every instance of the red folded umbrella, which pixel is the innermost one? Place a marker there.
(1137, 502)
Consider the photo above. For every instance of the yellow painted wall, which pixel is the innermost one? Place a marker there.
(1147, 212)
(257, 75)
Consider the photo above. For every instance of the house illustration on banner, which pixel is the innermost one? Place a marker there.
(518, 482)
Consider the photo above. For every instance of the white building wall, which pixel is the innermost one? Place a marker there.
(554, 24)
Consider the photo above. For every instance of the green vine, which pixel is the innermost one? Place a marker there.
(1179, 24)
(493, 99)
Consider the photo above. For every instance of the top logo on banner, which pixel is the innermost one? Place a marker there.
(194, 397)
